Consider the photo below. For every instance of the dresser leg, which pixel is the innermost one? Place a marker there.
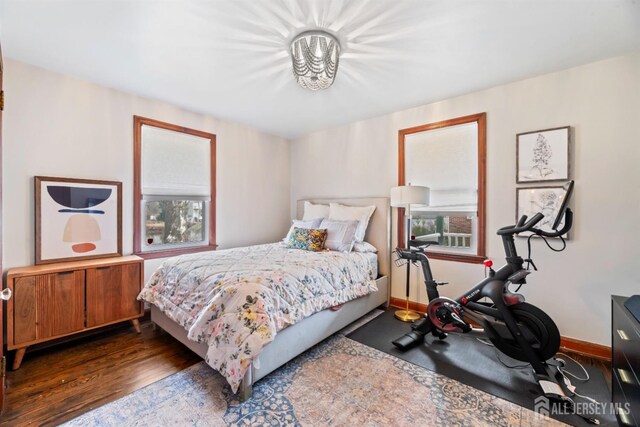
(136, 325)
(17, 360)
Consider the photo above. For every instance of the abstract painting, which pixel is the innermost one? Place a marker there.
(546, 200)
(77, 219)
(543, 155)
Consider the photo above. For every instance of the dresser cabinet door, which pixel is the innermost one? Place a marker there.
(65, 302)
(112, 292)
(24, 309)
(48, 305)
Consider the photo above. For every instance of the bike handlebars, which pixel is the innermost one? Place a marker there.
(568, 222)
(524, 225)
(522, 220)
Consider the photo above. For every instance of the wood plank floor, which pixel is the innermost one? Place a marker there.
(603, 365)
(59, 383)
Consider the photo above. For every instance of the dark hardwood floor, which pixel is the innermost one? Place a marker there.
(59, 383)
(603, 365)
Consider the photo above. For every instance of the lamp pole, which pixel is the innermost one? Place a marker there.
(404, 196)
(407, 315)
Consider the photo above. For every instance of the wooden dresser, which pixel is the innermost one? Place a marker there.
(625, 362)
(56, 300)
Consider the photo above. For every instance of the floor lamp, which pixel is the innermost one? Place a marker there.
(404, 197)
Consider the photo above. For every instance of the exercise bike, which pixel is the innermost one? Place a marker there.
(518, 329)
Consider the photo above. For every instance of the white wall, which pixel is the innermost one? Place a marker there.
(601, 101)
(56, 125)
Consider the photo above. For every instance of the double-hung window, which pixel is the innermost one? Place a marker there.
(175, 187)
(449, 158)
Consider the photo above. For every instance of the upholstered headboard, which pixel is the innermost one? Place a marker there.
(378, 229)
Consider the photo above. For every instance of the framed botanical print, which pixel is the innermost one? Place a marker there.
(77, 219)
(543, 155)
(546, 200)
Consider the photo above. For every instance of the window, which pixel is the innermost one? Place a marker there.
(170, 222)
(174, 202)
(449, 158)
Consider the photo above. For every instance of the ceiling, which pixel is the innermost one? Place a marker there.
(230, 59)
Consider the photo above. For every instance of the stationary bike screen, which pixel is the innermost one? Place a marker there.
(568, 188)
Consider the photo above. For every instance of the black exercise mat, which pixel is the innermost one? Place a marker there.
(463, 358)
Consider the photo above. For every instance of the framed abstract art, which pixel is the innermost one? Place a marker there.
(77, 219)
(543, 156)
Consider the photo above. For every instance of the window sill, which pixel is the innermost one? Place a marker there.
(471, 259)
(166, 253)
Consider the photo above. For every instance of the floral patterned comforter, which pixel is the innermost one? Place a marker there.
(236, 300)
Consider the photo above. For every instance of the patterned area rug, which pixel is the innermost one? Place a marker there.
(338, 382)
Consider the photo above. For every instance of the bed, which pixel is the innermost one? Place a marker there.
(307, 330)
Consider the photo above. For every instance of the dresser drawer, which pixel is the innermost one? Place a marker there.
(625, 361)
(624, 392)
(626, 338)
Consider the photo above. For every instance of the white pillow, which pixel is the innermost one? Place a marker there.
(357, 213)
(301, 223)
(341, 235)
(312, 211)
(364, 247)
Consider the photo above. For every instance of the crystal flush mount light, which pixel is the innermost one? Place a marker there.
(315, 59)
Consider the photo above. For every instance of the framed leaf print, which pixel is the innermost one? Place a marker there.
(543, 155)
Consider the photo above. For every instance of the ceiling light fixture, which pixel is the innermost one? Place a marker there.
(315, 59)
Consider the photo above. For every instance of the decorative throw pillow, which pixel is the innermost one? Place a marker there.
(307, 239)
(362, 214)
(315, 211)
(364, 247)
(341, 235)
(301, 223)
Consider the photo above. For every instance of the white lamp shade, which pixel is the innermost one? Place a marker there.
(402, 197)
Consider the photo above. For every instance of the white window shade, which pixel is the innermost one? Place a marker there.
(451, 202)
(445, 160)
(175, 163)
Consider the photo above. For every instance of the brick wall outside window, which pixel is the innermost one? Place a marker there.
(459, 224)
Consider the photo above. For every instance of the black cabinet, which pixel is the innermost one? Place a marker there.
(625, 361)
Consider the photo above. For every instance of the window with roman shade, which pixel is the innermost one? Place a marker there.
(449, 158)
(176, 176)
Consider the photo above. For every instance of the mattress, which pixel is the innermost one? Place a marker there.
(236, 300)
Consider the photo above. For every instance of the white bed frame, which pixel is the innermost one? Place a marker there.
(297, 338)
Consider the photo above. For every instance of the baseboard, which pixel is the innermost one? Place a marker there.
(584, 348)
(402, 303)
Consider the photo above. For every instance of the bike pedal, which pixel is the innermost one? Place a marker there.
(465, 327)
(439, 334)
(441, 283)
(408, 341)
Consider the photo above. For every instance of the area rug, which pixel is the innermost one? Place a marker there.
(338, 382)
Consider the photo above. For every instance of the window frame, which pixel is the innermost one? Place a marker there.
(138, 219)
(481, 120)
